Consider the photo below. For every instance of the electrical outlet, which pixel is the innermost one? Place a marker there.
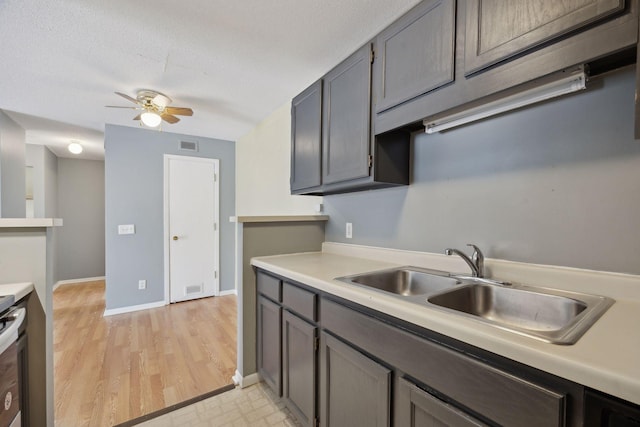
(142, 284)
(349, 232)
(127, 229)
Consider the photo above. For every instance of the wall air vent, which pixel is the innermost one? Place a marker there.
(188, 146)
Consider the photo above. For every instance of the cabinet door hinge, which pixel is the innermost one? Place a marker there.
(316, 422)
(215, 226)
(370, 160)
(316, 343)
(215, 274)
(373, 55)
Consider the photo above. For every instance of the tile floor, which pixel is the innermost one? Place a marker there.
(252, 406)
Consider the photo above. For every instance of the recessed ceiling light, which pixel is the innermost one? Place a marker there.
(75, 148)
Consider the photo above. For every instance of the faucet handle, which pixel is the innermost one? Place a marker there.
(476, 250)
(478, 259)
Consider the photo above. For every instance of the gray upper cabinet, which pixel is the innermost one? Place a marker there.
(347, 119)
(497, 30)
(416, 54)
(306, 138)
(333, 149)
(498, 47)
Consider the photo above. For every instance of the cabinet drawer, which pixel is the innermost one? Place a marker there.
(269, 286)
(299, 300)
(493, 393)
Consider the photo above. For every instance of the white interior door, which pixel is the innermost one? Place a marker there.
(191, 223)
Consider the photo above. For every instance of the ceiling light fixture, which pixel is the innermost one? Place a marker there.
(567, 83)
(75, 148)
(151, 119)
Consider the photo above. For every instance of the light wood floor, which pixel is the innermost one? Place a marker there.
(112, 369)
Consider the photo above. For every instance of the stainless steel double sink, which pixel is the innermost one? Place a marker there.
(551, 315)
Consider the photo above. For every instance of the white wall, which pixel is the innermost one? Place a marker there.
(12, 163)
(263, 158)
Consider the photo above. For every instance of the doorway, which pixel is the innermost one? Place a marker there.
(191, 218)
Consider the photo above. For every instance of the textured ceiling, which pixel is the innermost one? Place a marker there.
(232, 61)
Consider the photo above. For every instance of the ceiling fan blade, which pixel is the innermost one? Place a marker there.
(120, 106)
(127, 97)
(169, 118)
(180, 111)
(137, 117)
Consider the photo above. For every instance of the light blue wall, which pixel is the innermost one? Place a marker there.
(12, 166)
(555, 184)
(80, 241)
(134, 195)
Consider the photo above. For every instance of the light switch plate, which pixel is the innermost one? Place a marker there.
(127, 229)
(142, 284)
(349, 231)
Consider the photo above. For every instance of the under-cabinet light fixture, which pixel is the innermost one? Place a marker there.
(572, 82)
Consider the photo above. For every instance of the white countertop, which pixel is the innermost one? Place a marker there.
(18, 290)
(606, 357)
(30, 222)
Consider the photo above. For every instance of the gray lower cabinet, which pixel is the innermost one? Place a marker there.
(269, 343)
(473, 389)
(417, 408)
(299, 345)
(337, 364)
(287, 344)
(354, 389)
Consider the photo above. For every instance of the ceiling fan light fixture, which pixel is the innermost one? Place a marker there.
(150, 119)
(161, 100)
(75, 148)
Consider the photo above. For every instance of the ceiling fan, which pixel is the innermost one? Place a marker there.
(155, 108)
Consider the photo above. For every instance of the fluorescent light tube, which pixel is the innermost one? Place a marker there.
(571, 83)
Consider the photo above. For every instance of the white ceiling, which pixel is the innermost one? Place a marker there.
(232, 61)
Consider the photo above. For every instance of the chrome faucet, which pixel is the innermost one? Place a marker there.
(476, 262)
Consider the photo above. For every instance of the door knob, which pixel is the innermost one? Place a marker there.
(175, 237)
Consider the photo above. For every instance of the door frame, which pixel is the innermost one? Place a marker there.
(216, 213)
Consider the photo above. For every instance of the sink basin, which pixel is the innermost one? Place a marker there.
(405, 281)
(550, 315)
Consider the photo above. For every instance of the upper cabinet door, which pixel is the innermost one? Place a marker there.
(416, 54)
(497, 30)
(306, 138)
(347, 119)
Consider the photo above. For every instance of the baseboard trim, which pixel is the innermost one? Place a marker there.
(243, 382)
(129, 309)
(229, 292)
(77, 281)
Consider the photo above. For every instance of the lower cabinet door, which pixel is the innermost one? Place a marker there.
(415, 407)
(354, 389)
(299, 367)
(269, 345)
